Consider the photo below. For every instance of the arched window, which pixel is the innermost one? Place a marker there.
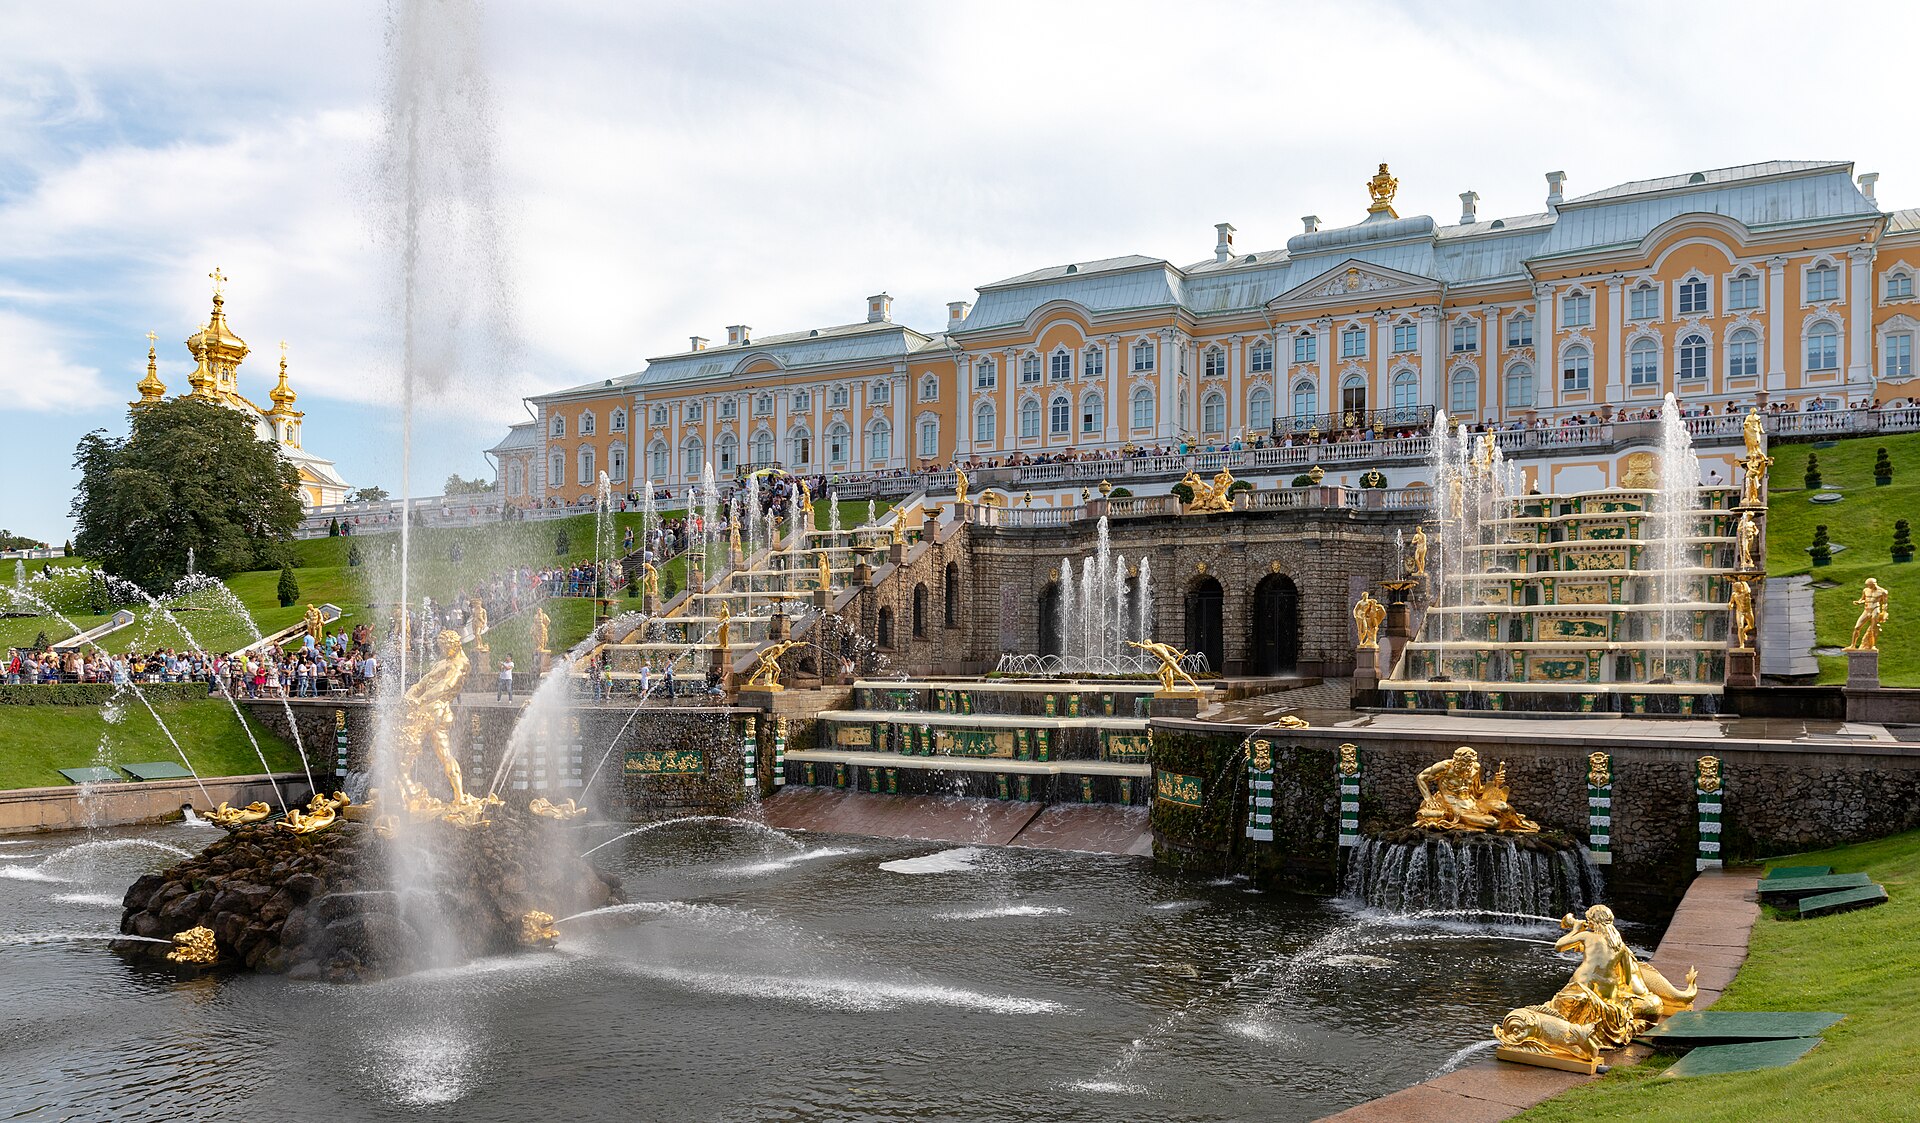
(1059, 416)
(1576, 368)
(1029, 418)
(929, 438)
(1643, 302)
(516, 477)
(799, 446)
(951, 601)
(1353, 394)
(559, 426)
(1093, 414)
(1180, 411)
(1306, 398)
(1463, 394)
(1822, 284)
(1743, 354)
(763, 454)
(839, 443)
(617, 464)
(884, 633)
(930, 389)
(920, 611)
(1643, 362)
(1142, 408)
(879, 441)
(618, 424)
(1692, 364)
(693, 457)
(1406, 390)
(1060, 365)
(1823, 346)
(557, 470)
(1692, 299)
(1899, 284)
(1519, 386)
(1093, 362)
(1213, 413)
(585, 464)
(728, 447)
(1306, 347)
(1260, 409)
(986, 422)
(1213, 363)
(659, 461)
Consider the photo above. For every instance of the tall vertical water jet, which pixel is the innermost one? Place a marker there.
(1673, 521)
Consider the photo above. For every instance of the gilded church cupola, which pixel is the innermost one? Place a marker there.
(151, 388)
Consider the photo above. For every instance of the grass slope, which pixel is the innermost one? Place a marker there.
(1861, 964)
(39, 739)
(1863, 523)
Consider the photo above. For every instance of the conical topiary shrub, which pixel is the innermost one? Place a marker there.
(1822, 550)
(1882, 468)
(1813, 471)
(1902, 541)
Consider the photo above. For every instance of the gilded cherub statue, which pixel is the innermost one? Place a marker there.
(1171, 673)
(1741, 604)
(1209, 497)
(1873, 616)
(766, 672)
(1453, 797)
(1368, 614)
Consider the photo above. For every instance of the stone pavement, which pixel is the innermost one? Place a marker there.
(1709, 931)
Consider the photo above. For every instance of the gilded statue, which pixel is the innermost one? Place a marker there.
(547, 809)
(477, 616)
(766, 672)
(318, 815)
(1741, 603)
(1612, 997)
(429, 720)
(316, 625)
(1291, 722)
(1599, 769)
(1454, 797)
(1756, 465)
(1873, 616)
(1349, 759)
(1457, 498)
(1754, 431)
(1483, 454)
(806, 504)
(1380, 189)
(650, 580)
(195, 945)
(959, 487)
(1709, 775)
(1368, 614)
(824, 574)
(734, 549)
(1171, 673)
(1209, 497)
(542, 632)
(897, 531)
(537, 930)
(231, 817)
(1417, 560)
(1748, 537)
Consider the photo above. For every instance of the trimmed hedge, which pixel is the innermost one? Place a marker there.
(95, 693)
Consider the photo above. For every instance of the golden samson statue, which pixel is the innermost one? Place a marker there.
(1454, 797)
(429, 722)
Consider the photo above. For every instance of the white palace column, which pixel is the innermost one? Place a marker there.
(1116, 420)
(782, 453)
(1616, 344)
(903, 436)
(1860, 300)
(1546, 370)
(1493, 389)
(1236, 393)
(962, 406)
(1776, 325)
(1433, 372)
(1381, 396)
(1323, 347)
(1166, 384)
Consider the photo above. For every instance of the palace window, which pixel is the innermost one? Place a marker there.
(696, 411)
(1822, 284)
(1213, 414)
(1213, 363)
(1306, 398)
(659, 415)
(693, 457)
(1643, 363)
(1520, 331)
(763, 406)
(802, 401)
(879, 441)
(1693, 297)
(1029, 419)
(1693, 357)
(1466, 336)
(800, 447)
(1743, 354)
(1093, 415)
(1059, 416)
(585, 458)
(1643, 303)
(556, 469)
(1576, 310)
(1576, 369)
(729, 449)
(516, 478)
(1143, 355)
(659, 461)
(1093, 362)
(880, 393)
(1899, 285)
(1029, 369)
(837, 398)
(986, 375)
(839, 443)
(1260, 409)
(1060, 366)
(729, 409)
(1463, 395)
(1353, 343)
(617, 464)
(1260, 358)
(1823, 347)
(1406, 390)
(1143, 408)
(986, 422)
(763, 448)
(1743, 291)
(619, 421)
(1519, 386)
(929, 389)
(1897, 355)
(1306, 347)
(929, 438)
(1406, 338)
(559, 426)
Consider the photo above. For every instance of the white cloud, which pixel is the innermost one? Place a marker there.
(36, 373)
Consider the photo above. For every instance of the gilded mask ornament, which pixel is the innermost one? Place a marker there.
(1262, 758)
(1349, 760)
(1709, 774)
(1599, 770)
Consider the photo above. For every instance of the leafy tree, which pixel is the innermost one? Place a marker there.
(190, 475)
(289, 590)
(369, 495)
(1822, 550)
(333, 528)
(455, 485)
(11, 541)
(1882, 468)
(1813, 471)
(668, 586)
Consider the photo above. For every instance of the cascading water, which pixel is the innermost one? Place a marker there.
(1486, 873)
(1674, 506)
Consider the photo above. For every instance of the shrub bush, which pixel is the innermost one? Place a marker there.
(289, 589)
(562, 541)
(1812, 477)
(1882, 468)
(1902, 541)
(1822, 550)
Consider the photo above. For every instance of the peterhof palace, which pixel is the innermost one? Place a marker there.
(1781, 285)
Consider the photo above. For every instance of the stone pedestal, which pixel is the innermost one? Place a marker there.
(759, 698)
(778, 627)
(1863, 670)
(1366, 669)
(820, 599)
(862, 572)
(1743, 667)
(896, 552)
(1178, 703)
(483, 661)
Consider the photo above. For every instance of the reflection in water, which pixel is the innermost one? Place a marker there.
(745, 982)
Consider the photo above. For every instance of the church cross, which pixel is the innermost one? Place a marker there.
(219, 279)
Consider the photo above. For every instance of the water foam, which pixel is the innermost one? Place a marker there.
(855, 995)
(103, 900)
(946, 861)
(994, 912)
(775, 865)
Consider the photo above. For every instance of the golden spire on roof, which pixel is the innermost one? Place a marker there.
(151, 388)
(215, 347)
(202, 382)
(1381, 187)
(282, 394)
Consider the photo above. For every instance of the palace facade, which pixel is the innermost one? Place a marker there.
(1782, 282)
(217, 353)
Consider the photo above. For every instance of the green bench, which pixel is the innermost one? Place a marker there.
(1692, 1029)
(1825, 904)
(1746, 1056)
(156, 770)
(1778, 872)
(1776, 890)
(90, 775)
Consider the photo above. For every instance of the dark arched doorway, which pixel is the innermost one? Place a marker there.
(1275, 645)
(1205, 635)
(1050, 619)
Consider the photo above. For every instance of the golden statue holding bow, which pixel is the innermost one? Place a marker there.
(1873, 616)
(1453, 797)
(766, 672)
(1368, 614)
(1171, 672)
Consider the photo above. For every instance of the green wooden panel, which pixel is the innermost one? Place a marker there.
(1822, 904)
(90, 775)
(1691, 1028)
(1748, 1056)
(156, 770)
(1778, 872)
(1794, 888)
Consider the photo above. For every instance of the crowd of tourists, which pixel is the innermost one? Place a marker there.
(336, 667)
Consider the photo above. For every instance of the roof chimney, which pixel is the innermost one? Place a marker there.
(1867, 181)
(880, 309)
(1556, 190)
(1469, 207)
(697, 343)
(1310, 221)
(957, 311)
(739, 335)
(1223, 242)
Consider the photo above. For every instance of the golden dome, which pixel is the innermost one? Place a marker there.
(151, 388)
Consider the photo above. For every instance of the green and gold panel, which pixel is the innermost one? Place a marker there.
(666, 762)
(1573, 627)
(1124, 747)
(853, 736)
(974, 742)
(1575, 559)
(1556, 668)
(1175, 788)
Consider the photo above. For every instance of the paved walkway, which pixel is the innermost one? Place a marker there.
(1709, 931)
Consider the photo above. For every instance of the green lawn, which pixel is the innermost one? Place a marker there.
(36, 740)
(1860, 964)
(1862, 522)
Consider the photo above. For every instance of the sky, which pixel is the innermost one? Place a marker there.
(653, 171)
